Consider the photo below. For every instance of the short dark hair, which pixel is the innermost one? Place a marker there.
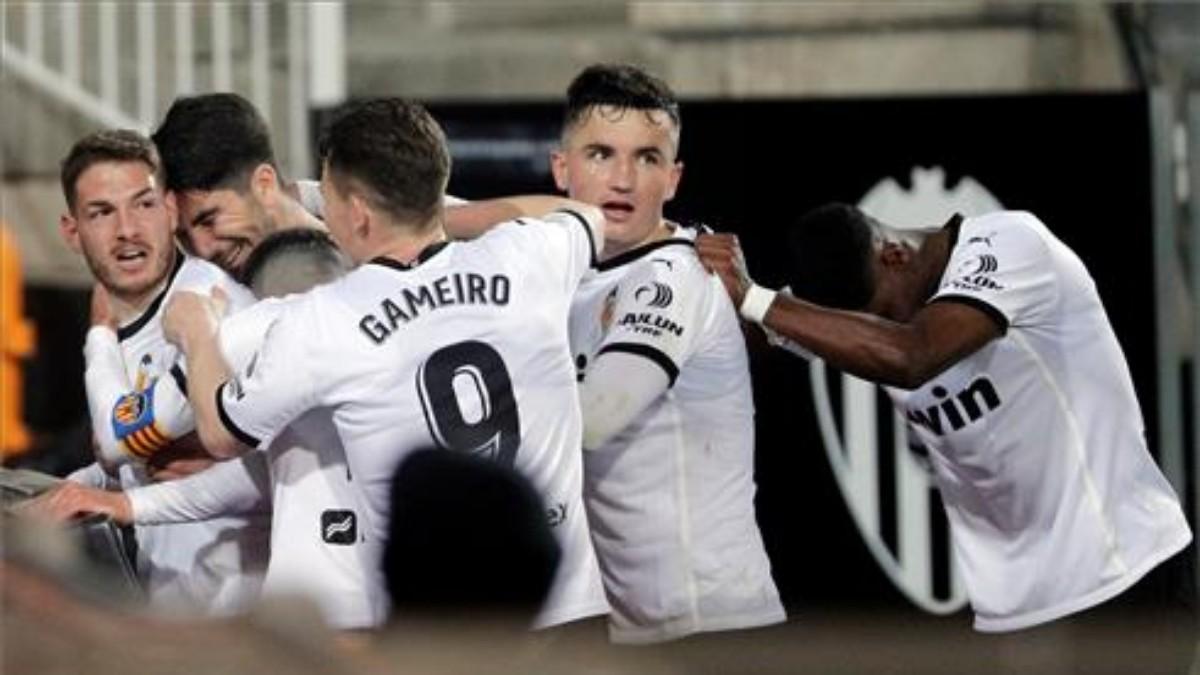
(621, 85)
(467, 534)
(395, 150)
(112, 145)
(213, 142)
(831, 251)
(303, 251)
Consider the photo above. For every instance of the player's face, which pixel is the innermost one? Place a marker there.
(622, 161)
(123, 225)
(222, 226)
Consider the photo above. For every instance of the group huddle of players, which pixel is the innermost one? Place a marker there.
(253, 397)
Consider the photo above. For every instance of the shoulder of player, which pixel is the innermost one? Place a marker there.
(1010, 230)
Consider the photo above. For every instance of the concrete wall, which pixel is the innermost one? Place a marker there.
(447, 51)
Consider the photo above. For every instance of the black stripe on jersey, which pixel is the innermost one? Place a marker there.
(180, 378)
(230, 425)
(992, 313)
(591, 234)
(954, 224)
(141, 321)
(635, 253)
(647, 351)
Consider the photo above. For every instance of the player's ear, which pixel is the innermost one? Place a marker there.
(360, 215)
(558, 166)
(894, 254)
(264, 183)
(68, 229)
(673, 177)
(172, 208)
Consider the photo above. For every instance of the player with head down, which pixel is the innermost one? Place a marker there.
(993, 342)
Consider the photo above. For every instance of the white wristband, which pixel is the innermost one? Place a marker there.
(756, 303)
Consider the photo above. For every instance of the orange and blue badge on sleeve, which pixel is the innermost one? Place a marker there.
(134, 425)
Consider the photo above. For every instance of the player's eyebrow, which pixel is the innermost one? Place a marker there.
(204, 215)
(141, 193)
(96, 203)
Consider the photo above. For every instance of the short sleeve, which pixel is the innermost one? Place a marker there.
(1002, 266)
(657, 312)
(566, 241)
(241, 335)
(276, 385)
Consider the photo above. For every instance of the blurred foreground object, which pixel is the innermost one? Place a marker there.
(16, 343)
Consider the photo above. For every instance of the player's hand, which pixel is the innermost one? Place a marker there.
(70, 500)
(182, 458)
(190, 316)
(102, 312)
(721, 254)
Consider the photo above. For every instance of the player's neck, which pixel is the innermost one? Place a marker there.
(406, 248)
(933, 255)
(289, 213)
(664, 230)
(127, 307)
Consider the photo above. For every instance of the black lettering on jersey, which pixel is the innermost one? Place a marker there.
(446, 291)
(500, 286)
(958, 410)
(477, 288)
(646, 323)
(393, 313)
(371, 327)
(419, 298)
(557, 514)
(441, 288)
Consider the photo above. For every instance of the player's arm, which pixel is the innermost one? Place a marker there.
(471, 219)
(191, 322)
(246, 408)
(655, 319)
(904, 355)
(617, 388)
(129, 423)
(238, 486)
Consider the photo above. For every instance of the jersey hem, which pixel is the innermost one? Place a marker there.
(1107, 592)
(685, 626)
(573, 613)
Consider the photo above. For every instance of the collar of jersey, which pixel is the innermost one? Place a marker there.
(425, 254)
(635, 253)
(130, 330)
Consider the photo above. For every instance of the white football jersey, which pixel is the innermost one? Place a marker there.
(217, 565)
(1037, 440)
(318, 548)
(671, 497)
(466, 350)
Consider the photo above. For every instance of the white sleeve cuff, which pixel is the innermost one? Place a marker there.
(756, 303)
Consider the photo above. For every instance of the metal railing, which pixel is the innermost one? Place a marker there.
(86, 74)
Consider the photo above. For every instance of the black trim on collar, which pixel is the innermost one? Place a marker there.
(648, 352)
(587, 230)
(130, 330)
(236, 431)
(635, 253)
(971, 301)
(422, 257)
